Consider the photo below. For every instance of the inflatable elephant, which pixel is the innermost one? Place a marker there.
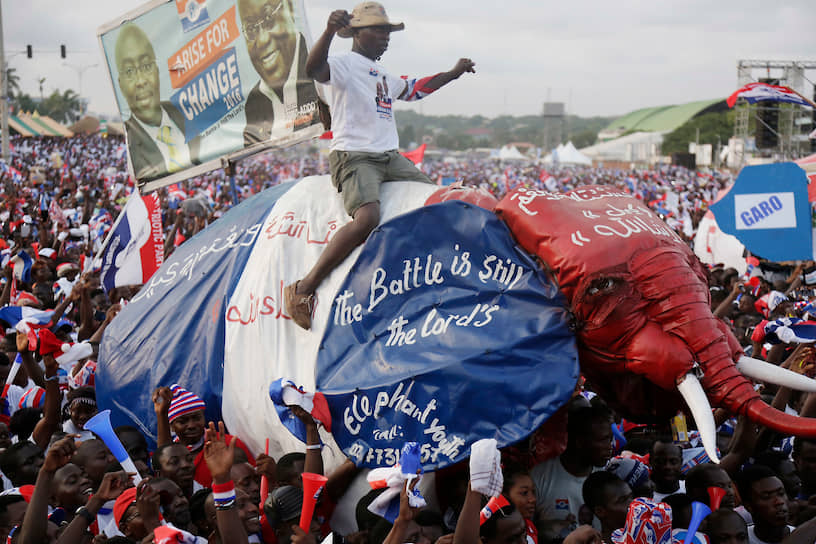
(453, 322)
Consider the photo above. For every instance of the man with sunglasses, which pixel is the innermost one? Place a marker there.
(155, 129)
(285, 98)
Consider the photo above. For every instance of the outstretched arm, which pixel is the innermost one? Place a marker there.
(161, 405)
(34, 521)
(467, 527)
(50, 422)
(314, 459)
(406, 514)
(317, 64)
(419, 88)
(219, 458)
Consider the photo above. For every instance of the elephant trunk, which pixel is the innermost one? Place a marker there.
(679, 302)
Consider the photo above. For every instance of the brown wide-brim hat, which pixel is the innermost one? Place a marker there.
(368, 14)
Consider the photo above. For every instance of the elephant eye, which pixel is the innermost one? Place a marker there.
(601, 285)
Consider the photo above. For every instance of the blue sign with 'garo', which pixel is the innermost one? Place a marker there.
(768, 210)
(211, 95)
(765, 211)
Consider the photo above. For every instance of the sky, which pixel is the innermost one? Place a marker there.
(598, 57)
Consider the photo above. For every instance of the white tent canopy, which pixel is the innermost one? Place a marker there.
(570, 155)
(567, 154)
(510, 153)
(635, 147)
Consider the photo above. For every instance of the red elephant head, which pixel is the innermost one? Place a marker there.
(646, 335)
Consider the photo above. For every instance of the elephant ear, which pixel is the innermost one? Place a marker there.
(444, 332)
(584, 232)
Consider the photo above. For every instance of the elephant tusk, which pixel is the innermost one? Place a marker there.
(697, 401)
(767, 372)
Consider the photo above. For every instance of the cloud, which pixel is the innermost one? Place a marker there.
(601, 57)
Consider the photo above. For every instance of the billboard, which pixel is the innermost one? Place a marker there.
(201, 80)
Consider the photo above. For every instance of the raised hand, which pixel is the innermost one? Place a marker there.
(22, 342)
(60, 453)
(800, 357)
(161, 400)
(302, 415)
(266, 466)
(148, 503)
(338, 19)
(406, 511)
(50, 364)
(217, 454)
(112, 311)
(113, 484)
(463, 65)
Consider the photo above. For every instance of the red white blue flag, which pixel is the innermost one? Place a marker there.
(134, 249)
(790, 330)
(757, 92)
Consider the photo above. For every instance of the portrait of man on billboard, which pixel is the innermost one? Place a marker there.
(285, 98)
(155, 129)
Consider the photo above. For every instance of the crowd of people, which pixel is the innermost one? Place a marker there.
(577, 483)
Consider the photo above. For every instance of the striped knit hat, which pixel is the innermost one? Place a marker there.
(33, 398)
(183, 402)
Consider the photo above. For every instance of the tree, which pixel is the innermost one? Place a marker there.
(24, 103)
(63, 107)
(407, 135)
(13, 82)
(711, 125)
(585, 138)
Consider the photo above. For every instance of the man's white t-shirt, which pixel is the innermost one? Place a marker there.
(559, 494)
(753, 539)
(660, 496)
(362, 96)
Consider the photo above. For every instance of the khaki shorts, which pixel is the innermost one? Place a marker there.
(358, 175)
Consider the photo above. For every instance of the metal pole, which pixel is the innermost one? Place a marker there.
(80, 70)
(233, 188)
(4, 94)
(229, 172)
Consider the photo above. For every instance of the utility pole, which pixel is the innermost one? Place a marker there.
(4, 93)
(80, 69)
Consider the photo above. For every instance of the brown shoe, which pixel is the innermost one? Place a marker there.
(299, 307)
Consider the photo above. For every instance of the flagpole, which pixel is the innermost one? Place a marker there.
(119, 218)
(229, 171)
(812, 104)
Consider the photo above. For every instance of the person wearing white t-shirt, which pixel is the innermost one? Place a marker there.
(365, 141)
(666, 460)
(764, 497)
(559, 481)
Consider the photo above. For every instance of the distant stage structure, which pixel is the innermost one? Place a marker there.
(774, 130)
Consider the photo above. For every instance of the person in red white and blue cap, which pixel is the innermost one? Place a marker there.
(181, 412)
